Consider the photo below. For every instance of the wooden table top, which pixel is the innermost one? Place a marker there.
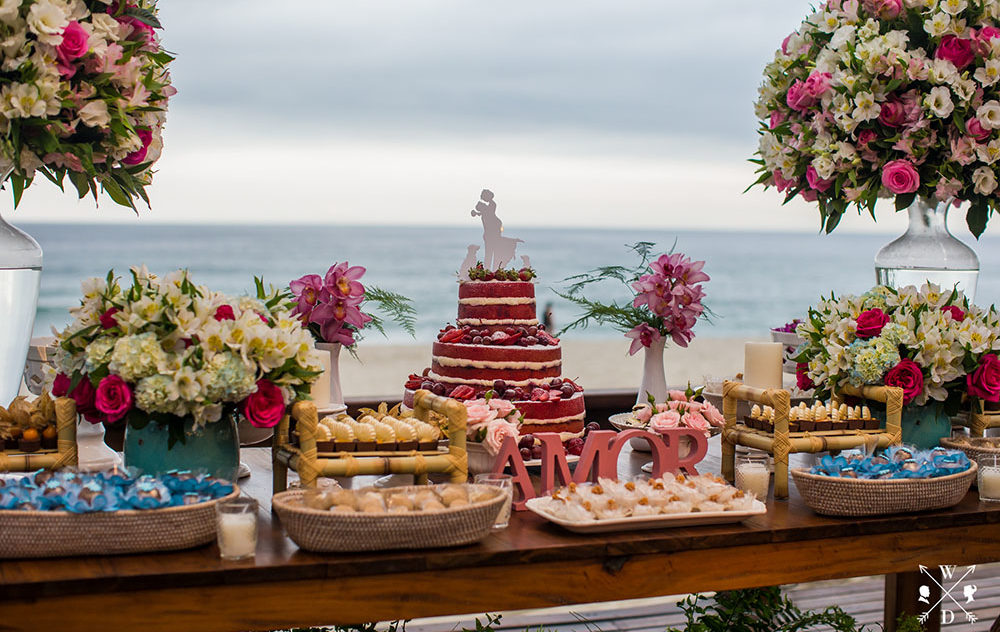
(788, 544)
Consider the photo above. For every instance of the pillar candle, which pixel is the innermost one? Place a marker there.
(762, 364)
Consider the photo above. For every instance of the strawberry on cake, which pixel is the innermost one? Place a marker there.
(498, 344)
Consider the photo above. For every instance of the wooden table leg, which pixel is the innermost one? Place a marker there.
(902, 595)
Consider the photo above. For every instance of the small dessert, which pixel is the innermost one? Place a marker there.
(383, 434)
(49, 437)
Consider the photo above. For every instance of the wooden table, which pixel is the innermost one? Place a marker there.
(531, 564)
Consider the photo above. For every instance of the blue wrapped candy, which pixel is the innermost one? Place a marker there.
(147, 493)
(895, 462)
(120, 477)
(91, 497)
(217, 487)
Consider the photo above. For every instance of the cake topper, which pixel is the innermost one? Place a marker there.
(468, 263)
(500, 250)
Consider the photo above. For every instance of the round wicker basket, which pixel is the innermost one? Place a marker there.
(62, 533)
(975, 448)
(324, 531)
(833, 496)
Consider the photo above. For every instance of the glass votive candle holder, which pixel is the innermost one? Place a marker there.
(505, 482)
(989, 478)
(753, 476)
(237, 528)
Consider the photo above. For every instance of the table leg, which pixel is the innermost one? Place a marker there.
(902, 595)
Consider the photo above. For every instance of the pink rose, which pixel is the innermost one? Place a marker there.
(478, 414)
(817, 84)
(265, 407)
(865, 136)
(815, 182)
(113, 398)
(777, 118)
(871, 322)
(884, 9)
(139, 155)
(224, 312)
(987, 33)
(984, 382)
(712, 414)
(496, 431)
(696, 422)
(798, 97)
(892, 114)
(60, 385)
(955, 312)
(899, 176)
(665, 406)
(502, 406)
(976, 129)
(74, 44)
(665, 421)
(678, 396)
(907, 376)
(780, 182)
(956, 50)
(643, 414)
(108, 318)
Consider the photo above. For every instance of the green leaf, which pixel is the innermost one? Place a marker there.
(905, 200)
(145, 16)
(81, 182)
(978, 215)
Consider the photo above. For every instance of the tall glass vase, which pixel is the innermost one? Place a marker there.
(927, 251)
(20, 274)
(654, 380)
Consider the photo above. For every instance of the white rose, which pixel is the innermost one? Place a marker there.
(989, 114)
(95, 114)
(105, 27)
(985, 180)
(48, 20)
(939, 102)
(824, 166)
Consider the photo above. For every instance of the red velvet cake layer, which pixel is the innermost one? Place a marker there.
(511, 375)
(497, 353)
(497, 312)
(496, 289)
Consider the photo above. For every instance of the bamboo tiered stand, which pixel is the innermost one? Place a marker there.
(978, 421)
(64, 455)
(311, 464)
(782, 442)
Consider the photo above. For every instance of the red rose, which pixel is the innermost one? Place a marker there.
(84, 395)
(957, 314)
(146, 137)
(113, 398)
(956, 50)
(224, 312)
(60, 385)
(871, 322)
(892, 114)
(108, 318)
(984, 382)
(907, 376)
(265, 407)
(803, 381)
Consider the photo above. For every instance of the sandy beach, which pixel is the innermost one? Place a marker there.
(381, 370)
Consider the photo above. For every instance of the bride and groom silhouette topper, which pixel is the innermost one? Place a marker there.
(499, 250)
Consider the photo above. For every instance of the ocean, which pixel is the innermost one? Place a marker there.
(759, 280)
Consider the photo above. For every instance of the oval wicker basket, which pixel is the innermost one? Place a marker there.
(834, 496)
(62, 533)
(973, 451)
(325, 532)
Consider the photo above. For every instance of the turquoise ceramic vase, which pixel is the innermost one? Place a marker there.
(214, 447)
(923, 426)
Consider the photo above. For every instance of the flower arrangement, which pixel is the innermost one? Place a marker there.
(885, 98)
(681, 410)
(165, 348)
(667, 300)
(330, 306)
(490, 419)
(934, 345)
(84, 95)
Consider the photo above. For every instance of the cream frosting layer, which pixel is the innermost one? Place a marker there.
(501, 321)
(500, 300)
(486, 364)
(461, 380)
(556, 420)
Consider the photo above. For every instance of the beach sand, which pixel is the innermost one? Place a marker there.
(381, 370)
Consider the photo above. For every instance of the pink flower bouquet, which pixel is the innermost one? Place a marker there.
(681, 410)
(885, 99)
(667, 302)
(330, 306)
(490, 420)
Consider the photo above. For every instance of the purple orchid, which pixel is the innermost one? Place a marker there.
(642, 335)
(342, 280)
(307, 290)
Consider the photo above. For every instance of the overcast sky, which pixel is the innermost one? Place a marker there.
(399, 111)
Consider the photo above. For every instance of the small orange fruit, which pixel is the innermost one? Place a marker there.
(49, 432)
(30, 434)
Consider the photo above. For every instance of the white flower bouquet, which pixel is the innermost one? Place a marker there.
(83, 93)
(886, 98)
(166, 348)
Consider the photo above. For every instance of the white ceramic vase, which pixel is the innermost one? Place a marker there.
(326, 391)
(654, 380)
(93, 455)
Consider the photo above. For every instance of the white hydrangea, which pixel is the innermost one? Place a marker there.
(136, 357)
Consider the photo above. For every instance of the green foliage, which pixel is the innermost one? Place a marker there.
(757, 610)
(397, 308)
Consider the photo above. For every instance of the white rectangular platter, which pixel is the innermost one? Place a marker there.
(666, 521)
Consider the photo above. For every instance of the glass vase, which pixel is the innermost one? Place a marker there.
(927, 251)
(20, 274)
(213, 447)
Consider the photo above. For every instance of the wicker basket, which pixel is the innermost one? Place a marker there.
(62, 533)
(973, 451)
(324, 531)
(834, 496)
